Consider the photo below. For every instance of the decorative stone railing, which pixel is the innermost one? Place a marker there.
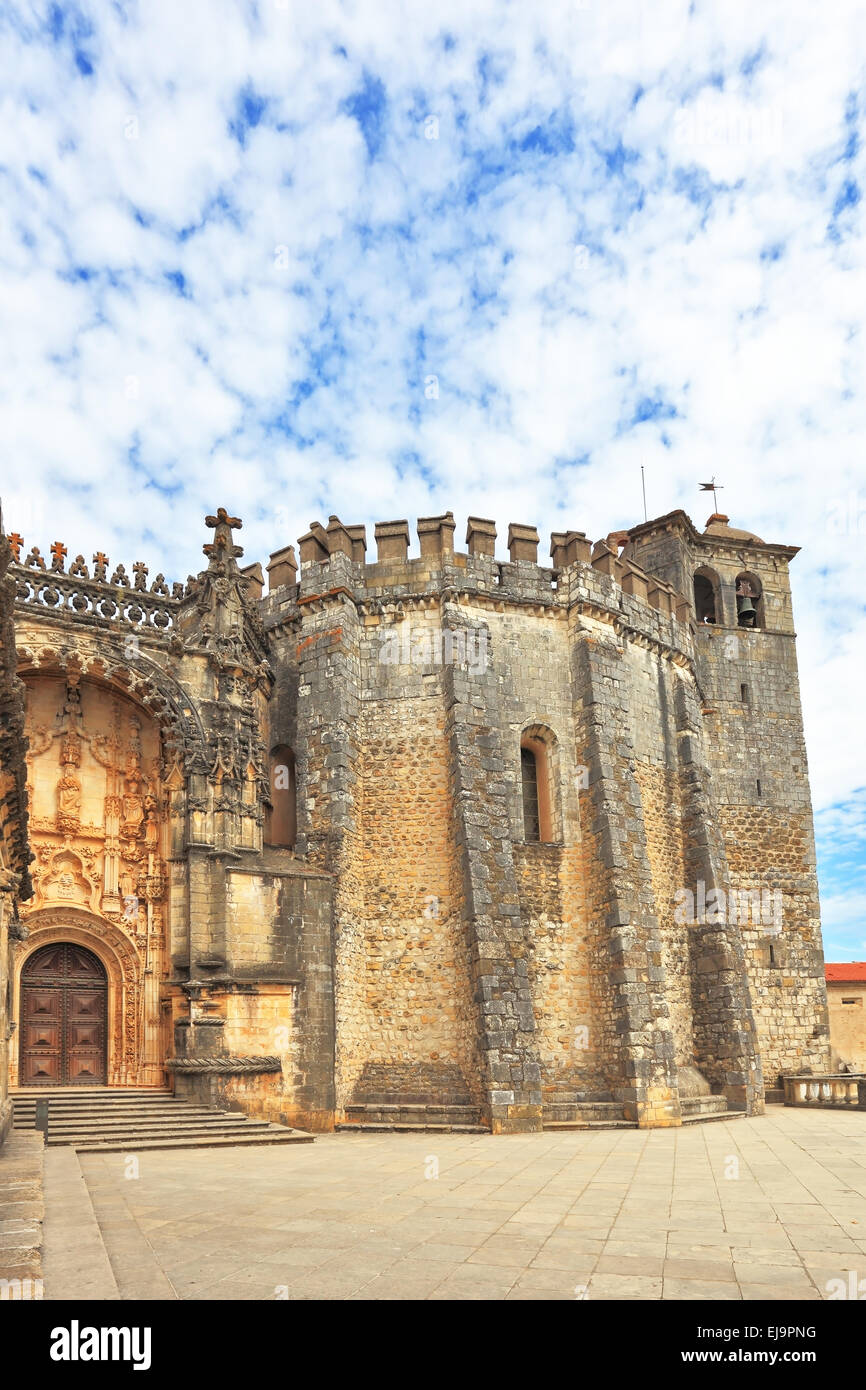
(844, 1091)
(130, 605)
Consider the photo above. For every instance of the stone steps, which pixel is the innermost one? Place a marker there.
(102, 1120)
(89, 1119)
(708, 1118)
(26, 1115)
(399, 1127)
(570, 1110)
(560, 1111)
(131, 1134)
(567, 1113)
(33, 1092)
(274, 1134)
(411, 1117)
(703, 1105)
(556, 1126)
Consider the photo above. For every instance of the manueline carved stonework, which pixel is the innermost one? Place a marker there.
(97, 830)
(146, 707)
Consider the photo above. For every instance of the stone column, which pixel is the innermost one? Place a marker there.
(639, 1041)
(498, 945)
(328, 651)
(725, 1038)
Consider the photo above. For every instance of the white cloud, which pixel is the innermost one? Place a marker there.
(676, 142)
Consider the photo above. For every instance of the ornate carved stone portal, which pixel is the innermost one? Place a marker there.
(98, 811)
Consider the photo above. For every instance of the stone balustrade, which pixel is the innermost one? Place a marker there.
(80, 596)
(844, 1091)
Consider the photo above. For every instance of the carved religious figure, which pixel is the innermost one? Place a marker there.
(151, 828)
(133, 807)
(68, 799)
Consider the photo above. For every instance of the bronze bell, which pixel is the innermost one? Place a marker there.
(747, 614)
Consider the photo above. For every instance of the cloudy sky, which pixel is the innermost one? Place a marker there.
(388, 259)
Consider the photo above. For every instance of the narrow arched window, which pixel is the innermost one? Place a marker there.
(281, 821)
(529, 775)
(535, 783)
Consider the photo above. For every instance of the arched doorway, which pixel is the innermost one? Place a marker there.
(63, 1035)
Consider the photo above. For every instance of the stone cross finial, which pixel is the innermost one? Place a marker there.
(58, 555)
(140, 571)
(222, 544)
(16, 543)
(222, 518)
(100, 566)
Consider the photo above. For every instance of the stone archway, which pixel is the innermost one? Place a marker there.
(135, 1047)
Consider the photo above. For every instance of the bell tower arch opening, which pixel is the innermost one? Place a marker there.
(750, 600)
(707, 595)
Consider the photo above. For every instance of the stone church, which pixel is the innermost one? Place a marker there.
(437, 839)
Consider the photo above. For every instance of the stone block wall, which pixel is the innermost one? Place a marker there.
(524, 968)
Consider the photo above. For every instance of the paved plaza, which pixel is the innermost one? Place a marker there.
(766, 1208)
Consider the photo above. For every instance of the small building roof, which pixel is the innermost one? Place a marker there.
(845, 972)
(718, 525)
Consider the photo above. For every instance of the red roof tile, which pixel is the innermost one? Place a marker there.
(845, 972)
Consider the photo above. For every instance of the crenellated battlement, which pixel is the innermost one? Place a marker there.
(643, 577)
(334, 557)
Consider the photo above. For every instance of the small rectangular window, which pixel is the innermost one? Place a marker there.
(857, 1002)
(758, 784)
(744, 694)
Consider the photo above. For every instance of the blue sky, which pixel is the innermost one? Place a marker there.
(393, 259)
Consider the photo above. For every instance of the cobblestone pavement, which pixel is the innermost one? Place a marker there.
(767, 1208)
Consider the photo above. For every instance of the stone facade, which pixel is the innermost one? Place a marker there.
(442, 831)
(15, 885)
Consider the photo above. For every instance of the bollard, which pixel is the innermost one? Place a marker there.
(42, 1117)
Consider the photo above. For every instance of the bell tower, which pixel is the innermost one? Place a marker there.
(746, 663)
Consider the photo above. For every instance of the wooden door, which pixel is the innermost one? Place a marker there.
(64, 997)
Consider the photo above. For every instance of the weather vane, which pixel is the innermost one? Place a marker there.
(713, 487)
